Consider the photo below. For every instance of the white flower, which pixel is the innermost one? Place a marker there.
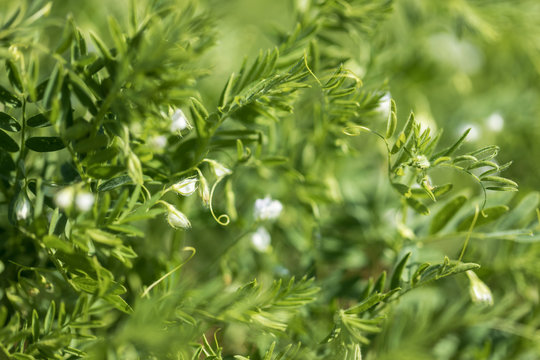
(204, 191)
(84, 201)
(158, 142)
(261, 239)
(420, 161)
(176, 218)
(64, 198)
(479, 291)
(219, 170)
(495, 122)
(185, 187)
(179, 121)
(22, 208)
(267, 209)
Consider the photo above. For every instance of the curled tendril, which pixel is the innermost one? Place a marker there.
(222, 219)
(187, 248)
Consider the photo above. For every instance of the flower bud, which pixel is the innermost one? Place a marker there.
(219, 170)
(22, 207)
(204, 191)
(179, 121)
(176, 218)
(185, 187)
(479, 291)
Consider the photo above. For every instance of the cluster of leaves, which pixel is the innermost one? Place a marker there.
(93, 163)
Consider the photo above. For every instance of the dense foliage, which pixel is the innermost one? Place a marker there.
(243, 179)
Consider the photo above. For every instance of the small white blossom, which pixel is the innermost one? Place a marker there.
(204, 191)
(219, 170)
(22, 208)
(84, 201)
(421, 162)
(261, 239)
(158, 142)
(64, 198)
(267, 209)
(176, 218)
(495, 122)
(479, 291)
(179, 121)
(186, 187)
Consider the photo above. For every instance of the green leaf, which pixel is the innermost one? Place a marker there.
(379, 285)
(8, 122)
(446, 213)
(78, 130)
(53, 87)
(7, 164)
(119, 303)
(402, 189)
(4, 354)
(45, 143)
(13, 75)
(417, 206)
(83, 93)
(450, 150)
(437, 191)
(134, 168)
(500, 180)
(101, 156)
(7, 143)
(8, 98)
(129, 230)
(392, 120)
(90, 144)
(103, 237)
(52, 241)
(114, 183)
(104, 171)
(486, 216)
(39, 120)
(35, 325)
(199, 115)
(365, 304)
(403, 135)
(396, 276)
(522, 214)
(86, 284)
(49, 317)
(418, 273)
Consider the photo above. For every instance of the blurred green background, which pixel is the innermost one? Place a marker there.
(456, 64)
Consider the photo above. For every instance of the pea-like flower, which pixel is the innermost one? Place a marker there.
(84, 201)
(158, 142)
(185, 187)
(64, 198)
(179, 121)
(480, 292)
(261, 239)
(176, 218)
(22, 207)
(219, 170)
(267, 209)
